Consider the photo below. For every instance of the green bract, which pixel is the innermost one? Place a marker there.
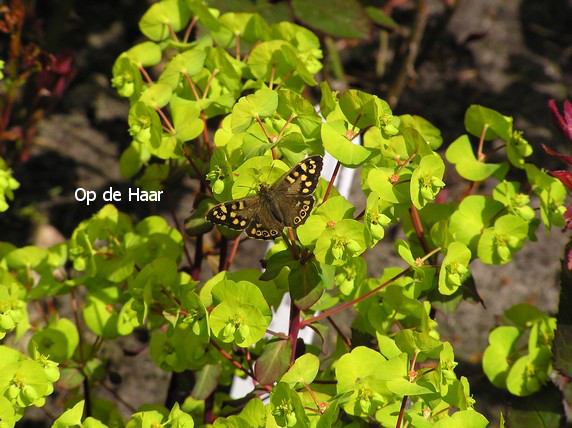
(7, 185)
(522, 371)
(454, 268)
(426, 180)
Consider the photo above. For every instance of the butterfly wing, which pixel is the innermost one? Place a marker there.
(235, 214)
(293, 192)
(264, 226)
(302, 179)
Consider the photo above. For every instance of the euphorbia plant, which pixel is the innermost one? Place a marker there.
(247, 76)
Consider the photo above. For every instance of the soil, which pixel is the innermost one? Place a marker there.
(510, 55)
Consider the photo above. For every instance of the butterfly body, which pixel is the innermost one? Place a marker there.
(286, 203)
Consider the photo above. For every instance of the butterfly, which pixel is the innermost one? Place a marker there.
(286, 203)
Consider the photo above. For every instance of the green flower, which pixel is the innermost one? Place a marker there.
(426, 180)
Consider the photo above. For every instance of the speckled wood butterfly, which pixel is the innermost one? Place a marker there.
(286, 203)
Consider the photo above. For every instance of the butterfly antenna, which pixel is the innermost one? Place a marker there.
(270, 172)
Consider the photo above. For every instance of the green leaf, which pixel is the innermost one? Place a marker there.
(360, 108)
(145, 54)
(460, 153)
(287, 408)
(497, 125)
(239, 293)
(160, 16)
(156, 95)
(132, 159)
(529, 372)
(336, 143)
(502, 342)
(381, 18)
(26, 257)
(414, 142)
(58, 340)
(303, 371)
(340, 18)
(413, 342)
(70, 418)
(230, 70)
(390, 187)
(274, 361)
(328, 214)
(363, 372)
(305, 115)
(190, 63)
(277, 261)
(99, 313)
(499, 243)
(471, 217)
(464, 418)
(428, 132)
(261, 104)
(305, 285)
(188, 125)
(329, 99)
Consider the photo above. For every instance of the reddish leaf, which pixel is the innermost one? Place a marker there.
(564, 176)
(56, 74)
(273, 362)
(568, 218)
(560, 156)
(206, 381)
(564, 124)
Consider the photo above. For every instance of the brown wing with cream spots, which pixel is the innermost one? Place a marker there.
(235, 214)
(266, 229)
(302, 179)
(298, 209)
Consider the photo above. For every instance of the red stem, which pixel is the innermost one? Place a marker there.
(237, 364)
(181, 231)
(414, 214)
(331, 183)
(173, 34)
(481, 142)
(342, 335)
(166, 120)
(292, 116)
(337, 309)
(232, 253)
(404, 400)
(145, 74)
(294, 328)
(211, 77)
(189, 29)
(272, 71)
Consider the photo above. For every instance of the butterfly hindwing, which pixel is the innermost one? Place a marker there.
(297, 209)
(235, 214)
(302, 179)
(264, 226)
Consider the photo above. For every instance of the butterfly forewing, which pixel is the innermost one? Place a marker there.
(235, 214)
(302, 179)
